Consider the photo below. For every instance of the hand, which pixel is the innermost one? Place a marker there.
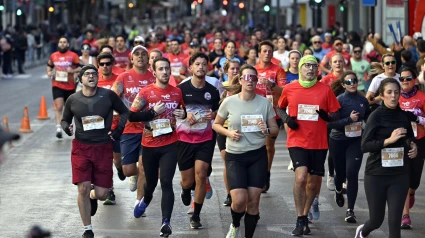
(70, 130)
(396, 135)
(413, 152)
(263, 126)
(354, 116)
(292, 123)
(50, 74)
(210, 115)
(324, 115)
(114, 135)
(159, 107)
(179, 113)
(411, 116)
(264, 81)
(191, 119)
(234, 135)
(69, 70)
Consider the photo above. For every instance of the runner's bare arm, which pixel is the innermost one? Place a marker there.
(218, 126)
(136, 113)
(272, 126)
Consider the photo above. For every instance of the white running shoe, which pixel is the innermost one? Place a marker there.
(330, 183)
(132, 182)
(233, 232)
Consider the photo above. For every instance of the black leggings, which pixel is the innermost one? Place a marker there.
(380, 190)
(331, 167)
(165, 159)
(347, 156)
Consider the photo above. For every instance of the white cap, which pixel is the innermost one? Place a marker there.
(139, 38)
(328, 34)
(417, 35)
(138, 47)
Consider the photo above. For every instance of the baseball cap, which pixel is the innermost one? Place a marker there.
(193, 44)
(138, 47)
(139, 38)
(417, 35)
(7, 136)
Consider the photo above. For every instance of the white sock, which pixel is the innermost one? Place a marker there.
(88, 227)
(137, 202)
(91, 196)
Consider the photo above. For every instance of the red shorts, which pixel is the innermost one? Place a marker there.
(92, 162)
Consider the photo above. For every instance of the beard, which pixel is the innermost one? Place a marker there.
(63, 50)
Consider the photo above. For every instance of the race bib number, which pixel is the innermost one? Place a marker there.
(160, 127)
(353, 129)
(415, 128)
(175, 71)
(307, 112)
(61, 76)
(270, 98)
(392, 157)
(93, 123)
(249, 123)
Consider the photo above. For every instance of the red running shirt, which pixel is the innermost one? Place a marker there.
(107, 83)
(329, 79)
(121, 58)
(61, 61)
(176, 62)
(415, 102)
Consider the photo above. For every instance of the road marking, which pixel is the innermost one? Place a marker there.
(324, 205)
(143, 232)
(23, 76)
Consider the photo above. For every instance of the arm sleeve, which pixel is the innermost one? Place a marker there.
(119, 107)
(339, 123)
(67, 117)
(50, 63)
(281, 112)
(369, 144)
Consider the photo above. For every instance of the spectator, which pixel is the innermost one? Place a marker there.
(409, 44)
(406, 60)
(420, 44)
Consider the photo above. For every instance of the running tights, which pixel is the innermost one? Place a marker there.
(380, 190)
(347, 156)
(165, 159)
(331, 167)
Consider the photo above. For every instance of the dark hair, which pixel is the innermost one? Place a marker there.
(337, 87)
(406, 55)
(409, 69)
(198, 55)
(230, 41)
(175, 39)
(63, 37)
(105, 55)
(420, 44)
(122, 36)
(307, 49)
(159, 59)
(358, 46)
(265, 42)
(155, 51)
(106, 46)
(89, 31)
(385, 82)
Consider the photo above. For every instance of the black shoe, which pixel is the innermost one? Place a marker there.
(186, 198)
(88, 234)
(110, 199)
(121, 174)
(339, 198)
(228, 201)
(299, 227)
(267, 184)
(349, 216)
(307, 230)
(165, 229)
(195, 222)
(59, 134)
(93, 203)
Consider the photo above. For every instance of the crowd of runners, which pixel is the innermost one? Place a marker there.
(165, 99)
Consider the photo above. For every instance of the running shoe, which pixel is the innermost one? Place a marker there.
(411, 200)
(110, 199)
(208, 189)
(228, 201)
(350, 217)
(299, 227)
(310, 215)
(93, 203)
(132, 182)
(121, 174)
(192, 208)
(330, 183)
(339, 198)
(406, 223)
(315, 210)
(88, 234)
(233, 232)
(195, 222)
(307, 230)
(186, 198)
(359, 232)
(165, 228)
(140, 208)
(58, 132)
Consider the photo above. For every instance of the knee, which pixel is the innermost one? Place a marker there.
(201, 177)
(253, 205)
(312, 185)
(84, 189)
(301, 180)
(166, 183)
(239, 204)
(128, 170)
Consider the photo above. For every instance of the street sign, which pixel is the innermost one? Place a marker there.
(369, 3)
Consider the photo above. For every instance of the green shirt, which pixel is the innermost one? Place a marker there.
(361, 68)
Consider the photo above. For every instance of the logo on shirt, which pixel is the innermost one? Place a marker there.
(166, 97)
(406, 104)
(207, 96)
(143, 83)
(361, 105)
(262, 74)
(188, 95)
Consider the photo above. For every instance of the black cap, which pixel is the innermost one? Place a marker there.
(84, 68)
(7, 136)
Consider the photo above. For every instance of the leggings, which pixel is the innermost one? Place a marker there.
(347, 156)
(417, 165)
(380, 190)
(164, 158)
(331, 167)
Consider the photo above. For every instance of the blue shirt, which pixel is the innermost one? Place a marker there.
(223, 60)
(291, 77)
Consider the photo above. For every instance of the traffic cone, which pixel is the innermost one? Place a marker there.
(6, 128)
(25, 124)
(42, 113)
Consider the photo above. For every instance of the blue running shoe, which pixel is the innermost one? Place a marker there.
(315, 210)
(209, 191)
(140, 208)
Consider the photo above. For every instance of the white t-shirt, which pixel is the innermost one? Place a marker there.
(374, 85)
(284, 58)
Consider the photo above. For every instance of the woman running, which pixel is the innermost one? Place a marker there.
(229, 54)
(292, 72)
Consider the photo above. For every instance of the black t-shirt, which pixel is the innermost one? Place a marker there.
(93, 115)
(213, 55)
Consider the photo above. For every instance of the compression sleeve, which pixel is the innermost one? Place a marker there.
(67, 116)
(119, 107)
(282, 114)
(141, 116)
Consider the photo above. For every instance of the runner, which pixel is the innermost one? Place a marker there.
(318, 51)
(85, 59)
(250, 119)
(196, 144)
(176, 58)
(159, 104)
(138, 40)
(345, 139)
(311, 105)
(281, 53)
(121, 53)
(217, 52)
(61, 68)
(272, 78)
(361, 67)
(388, 138)
(324, 65)
(127, 86)
(91, 158)
(292, 72)
(413, 100)
(229, 54)
(108, 49)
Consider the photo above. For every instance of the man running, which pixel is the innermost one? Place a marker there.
(307, 101)
(176, 58)
(127, 85)
(91, 157)
(195, 147)
(61, 68)
(121, 53)
(159, 105)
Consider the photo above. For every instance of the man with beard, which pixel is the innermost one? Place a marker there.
(61, 68)
(91, 157)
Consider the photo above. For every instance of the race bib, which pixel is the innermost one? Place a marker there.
(415, 128)
(307, 112)
(249, 123)
(270, 98)
(392, 157)
(93, 123)
(61, 76)
(353, 129)
(201, 124)
(175, 71)
(160, 127)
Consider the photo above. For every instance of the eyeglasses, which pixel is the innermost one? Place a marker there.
(105, 64)
(390, 62)
(357, 51)
(138, 42)
(351, 81)
(338, 44)
(87, 74)
(316, 42)
(313, 66)
(407, 78)
(250, 77)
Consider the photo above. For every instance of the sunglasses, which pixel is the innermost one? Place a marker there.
(316, 42)
(351, 81)
(338, 44)
(85, 48)
(407, 78)
(390, 62)
(105, 64)
(357, 51)
(250, 77)
(313, 66)
(87, 74)
(138, 42)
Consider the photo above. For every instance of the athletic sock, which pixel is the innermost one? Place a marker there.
(88, 228)
(197, 210)
(236, 217)
(250, 224)
(137, 202)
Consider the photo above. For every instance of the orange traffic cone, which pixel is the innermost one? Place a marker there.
(42, 113)
(6, 128)
(25, 124)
